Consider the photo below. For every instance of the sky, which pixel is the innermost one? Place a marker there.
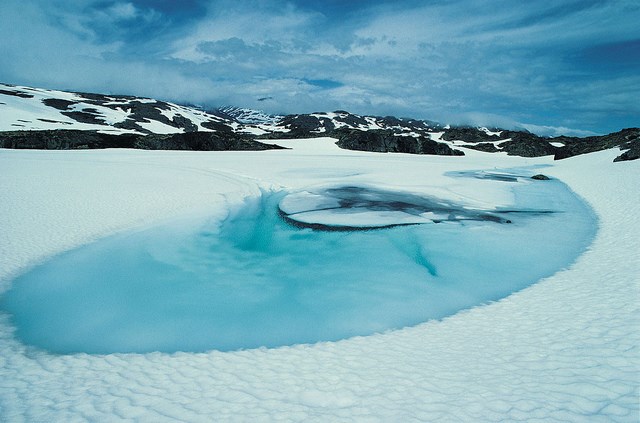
(552, 67)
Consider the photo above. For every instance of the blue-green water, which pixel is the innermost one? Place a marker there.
(255, 280)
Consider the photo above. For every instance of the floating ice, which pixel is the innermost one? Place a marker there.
(352, 208)
(257, 280)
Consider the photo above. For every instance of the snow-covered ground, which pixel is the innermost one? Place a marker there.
(25, 108)
(564, 349)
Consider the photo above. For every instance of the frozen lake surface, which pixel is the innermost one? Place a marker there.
(290, 268)
(563, 349)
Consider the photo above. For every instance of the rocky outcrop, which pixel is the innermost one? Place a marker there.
(202, 141)
(487, 147)
(627, 139)
(62, 139)
(303, 126)
(15, 93)
(514, 143)
(58, 103)
(386, 142)
(540, 177)
(85, 116)
(469, 134)
(633, 153)
(526, 144)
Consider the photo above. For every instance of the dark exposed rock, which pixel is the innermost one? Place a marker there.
(130, 124)
(62, 139)
(58, 103)
(278, 135)
(142, 112)
(16, 93)
(54, 121)
(377, 141)
(350, 119)
(468, 134)
(186, 124)
(633, 153)
(102, 98)
(303, 126)
(217, 126)
(525, 144)
(201, 141)
(540, 177)
(385, 141)
(627, 139)
(482, 146)
(516, 143)
(85, 117)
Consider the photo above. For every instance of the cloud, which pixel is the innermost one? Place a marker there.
(254, 23)
(554, 131)
(123, 11)
(479, 60)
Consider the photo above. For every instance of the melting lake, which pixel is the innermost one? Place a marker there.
(302, 267)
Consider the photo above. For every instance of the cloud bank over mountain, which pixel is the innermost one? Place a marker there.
(541, 64)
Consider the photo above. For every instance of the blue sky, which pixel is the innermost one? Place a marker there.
(552, 67)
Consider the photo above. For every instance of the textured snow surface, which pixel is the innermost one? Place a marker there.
(564, 349)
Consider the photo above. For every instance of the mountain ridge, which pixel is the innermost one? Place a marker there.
(57, 114)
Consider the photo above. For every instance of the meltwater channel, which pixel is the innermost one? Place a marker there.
(257, 279)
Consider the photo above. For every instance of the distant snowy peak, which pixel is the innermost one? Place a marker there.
(326, 123)
(247, 116)
(320, 123)
(24, 108)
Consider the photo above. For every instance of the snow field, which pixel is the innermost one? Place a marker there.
(564, 349)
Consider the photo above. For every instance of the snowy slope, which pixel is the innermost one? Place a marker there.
(564, 349)
(24, 108)
(248, 116)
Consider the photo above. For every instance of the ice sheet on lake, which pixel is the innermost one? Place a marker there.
(263, 278)
(359, 207)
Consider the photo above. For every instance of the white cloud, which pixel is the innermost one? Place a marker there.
(122, 11)
(555, 131)
(231, 20)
